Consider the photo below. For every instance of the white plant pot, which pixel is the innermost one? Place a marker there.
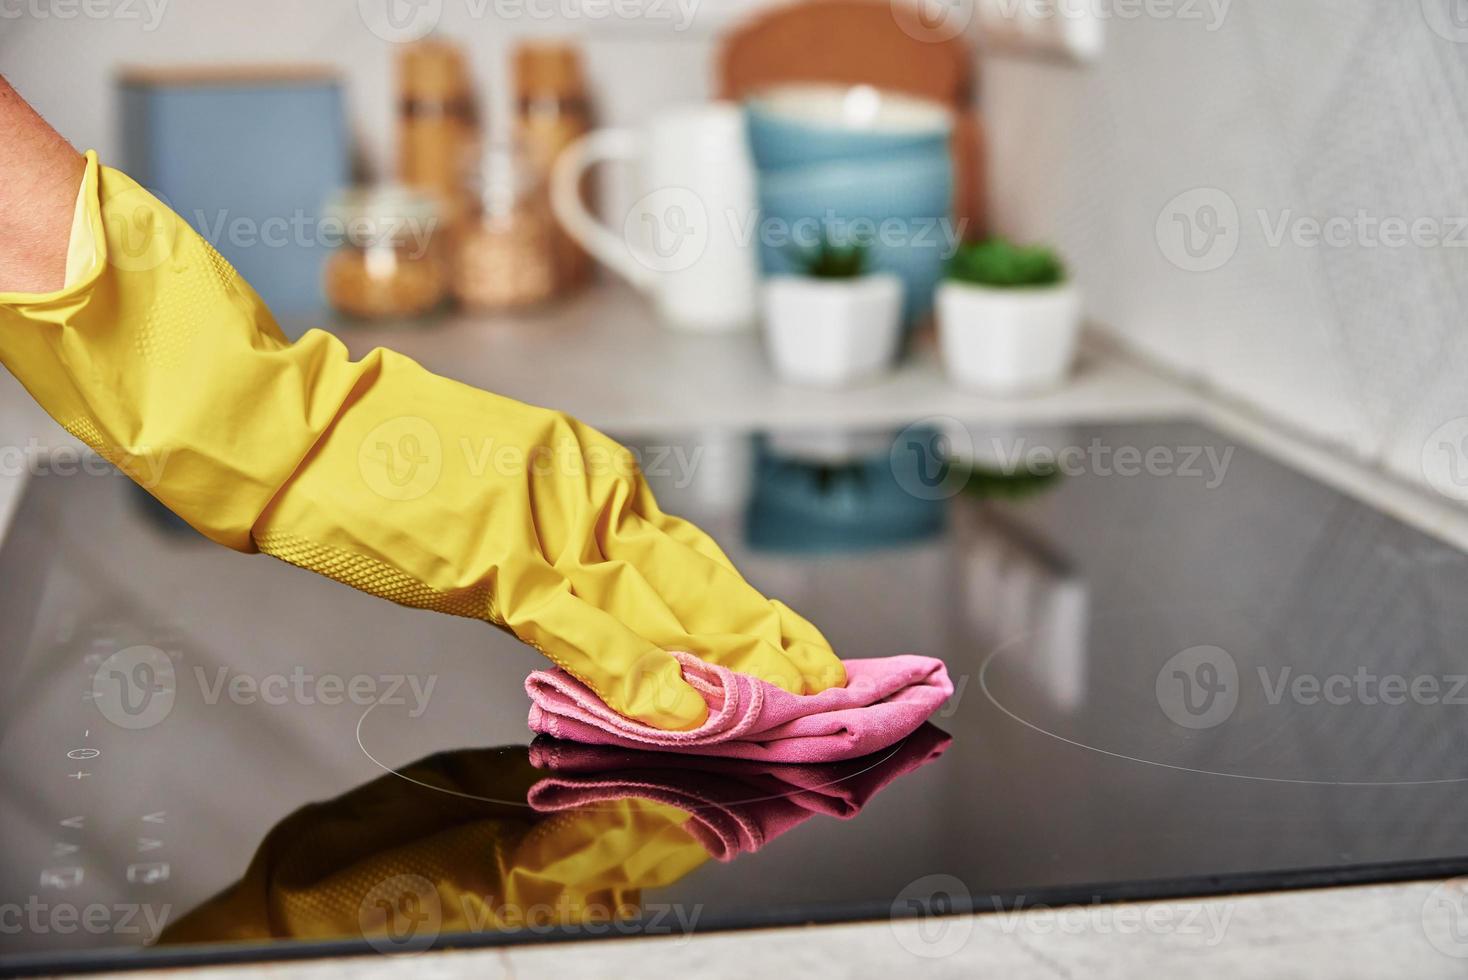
(833, 331)
(1008, 341)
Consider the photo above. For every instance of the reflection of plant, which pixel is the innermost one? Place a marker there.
(829, 477)
(829, 260)
(1001, 264)
(1010, 484)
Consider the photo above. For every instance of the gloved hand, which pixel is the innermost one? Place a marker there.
(472, 854)
(379, 474)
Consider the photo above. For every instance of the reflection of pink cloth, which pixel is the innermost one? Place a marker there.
(736, 806)
(883, 700)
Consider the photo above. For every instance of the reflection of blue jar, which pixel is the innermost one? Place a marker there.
(808, 506)
(158, 516)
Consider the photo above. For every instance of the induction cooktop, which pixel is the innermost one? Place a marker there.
(1182, 668)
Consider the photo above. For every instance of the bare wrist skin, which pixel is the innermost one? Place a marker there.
(39, 176)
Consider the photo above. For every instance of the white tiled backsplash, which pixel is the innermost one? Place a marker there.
(1346, 115)
(1244, 126)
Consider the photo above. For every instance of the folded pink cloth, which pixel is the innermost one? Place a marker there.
(884, 700)
(737, 806)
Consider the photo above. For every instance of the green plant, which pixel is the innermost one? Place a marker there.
(1014, 484)
(829, 260)
(1002, 264)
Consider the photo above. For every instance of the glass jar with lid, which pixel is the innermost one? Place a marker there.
(506, 254)
(389, 263)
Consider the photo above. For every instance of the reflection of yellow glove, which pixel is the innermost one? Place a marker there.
(344, 868)
(379, 474)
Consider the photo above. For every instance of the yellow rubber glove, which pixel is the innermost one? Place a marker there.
(380, 474)
(392, 856)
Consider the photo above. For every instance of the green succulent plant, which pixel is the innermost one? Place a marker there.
(830, 260)
(1001, 264)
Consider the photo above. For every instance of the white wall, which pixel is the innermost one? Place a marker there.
(1290, 109)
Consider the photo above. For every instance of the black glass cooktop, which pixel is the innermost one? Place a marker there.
(1182, 668)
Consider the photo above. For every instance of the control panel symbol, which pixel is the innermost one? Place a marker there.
(68, 877)
(150, 873)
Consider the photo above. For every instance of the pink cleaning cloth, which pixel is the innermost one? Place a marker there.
(884, 700)
(736, 806)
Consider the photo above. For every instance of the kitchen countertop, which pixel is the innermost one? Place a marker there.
(602, 358)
